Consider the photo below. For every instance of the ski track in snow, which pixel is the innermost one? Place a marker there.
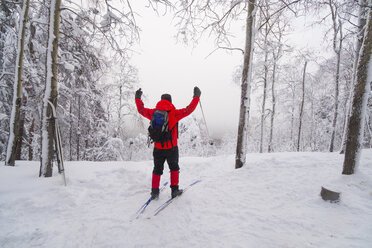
(273, 201)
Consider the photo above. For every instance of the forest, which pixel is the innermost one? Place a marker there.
(76, 54)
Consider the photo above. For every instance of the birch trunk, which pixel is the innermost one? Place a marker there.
(241, 147)
(71, 130)
(119, 112)
(361, 92)
(21, 129)
(31, 140)
(335, 114)
(15, 135)
(293, 116)
(336, 29)
(51, 93)
(301, 108)
(78, 130)
(263, 106)
(358, 44)
(273, 96)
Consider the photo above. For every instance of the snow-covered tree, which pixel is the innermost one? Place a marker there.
(362, 18)
(301, 108)
(362, 90)
(15, 132)
(241, 147)
(51, 89)
(8, 37)
(337, 48)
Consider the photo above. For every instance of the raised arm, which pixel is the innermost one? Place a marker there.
(145, 112)
(182, 113)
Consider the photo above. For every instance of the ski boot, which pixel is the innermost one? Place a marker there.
(154, 193)
(175, 191)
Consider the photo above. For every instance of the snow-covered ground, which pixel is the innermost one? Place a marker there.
(271, 202)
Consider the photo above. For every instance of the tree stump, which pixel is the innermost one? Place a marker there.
(329, 195)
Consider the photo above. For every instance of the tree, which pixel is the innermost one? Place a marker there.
(361, 92)
(241, 147)
(195, 18)
(276, 54)
(266, 32)
(15, 133)
(337, 38)
(51, 91)
(358, 44)
(34, 80)
(269, 40)
(301, 108)
(91, 40)
(7, 61)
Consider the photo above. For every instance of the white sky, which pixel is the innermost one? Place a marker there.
(167, 67)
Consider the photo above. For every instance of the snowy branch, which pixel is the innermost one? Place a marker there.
(111, 40)
(226, 48)
(5, 74)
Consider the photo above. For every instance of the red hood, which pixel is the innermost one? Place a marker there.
(165, 105)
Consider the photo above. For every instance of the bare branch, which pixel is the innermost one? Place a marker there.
(226, 48)
(113, 43)
(286, 5)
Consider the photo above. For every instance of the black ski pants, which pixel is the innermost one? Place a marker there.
(160, 155)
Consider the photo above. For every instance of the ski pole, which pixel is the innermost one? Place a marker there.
(200, 104)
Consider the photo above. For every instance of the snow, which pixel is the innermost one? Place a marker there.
(68, 66)
(3, 116)
(273, 201)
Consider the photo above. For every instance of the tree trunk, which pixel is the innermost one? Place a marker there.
(301, 108)
(270, 147)
(263, 106)
(78, 132)
(30, 140)
(51, 93)
(119, 129)
(22, 117)
(313, 142)
(358, 44)
(292, 117)
(71, 130)
(30, 91)
(15, 135)
(336, 29)
(361, 92)
(241, 147)
(335, 114)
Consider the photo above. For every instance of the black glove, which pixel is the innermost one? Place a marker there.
(138, 93)
(197, 92)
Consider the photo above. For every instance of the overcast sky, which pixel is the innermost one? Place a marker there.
(167, 67)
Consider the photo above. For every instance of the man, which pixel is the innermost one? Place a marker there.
(168, 150)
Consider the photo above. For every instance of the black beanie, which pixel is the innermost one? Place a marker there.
(166, 97)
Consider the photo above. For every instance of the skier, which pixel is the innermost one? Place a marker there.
(169, 149)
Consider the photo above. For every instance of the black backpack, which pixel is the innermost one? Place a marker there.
(159, 130)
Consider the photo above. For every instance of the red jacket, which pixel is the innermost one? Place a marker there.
(174, 116)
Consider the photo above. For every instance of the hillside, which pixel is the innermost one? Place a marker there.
(271, 202)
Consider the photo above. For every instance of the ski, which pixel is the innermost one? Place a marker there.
(144, 206)
(57, 142)
(170, 200)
